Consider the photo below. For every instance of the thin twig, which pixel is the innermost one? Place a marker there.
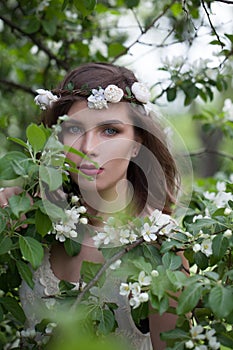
(17, 86)
(211, 24)
(205, 150)
(144, 31)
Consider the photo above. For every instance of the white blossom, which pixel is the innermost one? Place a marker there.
(113, 93)
(148, 232)
(189, 344)
(135, 288)
(115, 265)
(66, 228)
(196, 331)
(213, 343)
(201, 347)
(141, 92)
(227, 211)
(124, 236)
(83, 221)
(45, 98)
(134, 302)
(196, 247)
(154, 273)
(143, 297)
(227, 233)
(206, 247)
(143, 279)
(50, 327)
(125, 289)
(74, 199)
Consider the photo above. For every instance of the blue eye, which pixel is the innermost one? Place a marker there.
(110, 131)
(75, 130)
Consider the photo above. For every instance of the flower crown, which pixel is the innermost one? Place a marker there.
(98, 98)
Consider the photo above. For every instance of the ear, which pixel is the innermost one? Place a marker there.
(136, 147)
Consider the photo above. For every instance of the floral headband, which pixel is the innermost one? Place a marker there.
(99, 97)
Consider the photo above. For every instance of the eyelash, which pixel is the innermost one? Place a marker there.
(105, 131)
(111, 134)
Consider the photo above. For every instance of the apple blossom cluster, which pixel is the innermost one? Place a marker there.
(202, 339)
(99, 97)
(67, 228)
(221, 197)
(156, 224)
(137, 292)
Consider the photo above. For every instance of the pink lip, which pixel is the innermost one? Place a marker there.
(90, 170)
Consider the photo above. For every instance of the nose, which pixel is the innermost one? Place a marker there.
(89, 143)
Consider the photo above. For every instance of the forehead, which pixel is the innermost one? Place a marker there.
(90, 117)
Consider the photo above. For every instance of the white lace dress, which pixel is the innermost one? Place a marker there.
(35, 304)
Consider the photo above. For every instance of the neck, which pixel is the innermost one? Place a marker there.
(106, 203)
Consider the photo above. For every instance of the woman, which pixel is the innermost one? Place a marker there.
(109, 123)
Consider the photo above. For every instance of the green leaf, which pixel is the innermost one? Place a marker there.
(5, 244)
(18, 141)
(19, 204)
(163, 305)
(36, 137)
(65, 286)
(31, 250)
(42, 222)
(189, 298)
(220, 301)
(171, 94)
(72, 247)
(12, 305)
(131, 3)
(201, 260)
(171, 261)
(106, 321)
(50, 25)
(115, 49)
(85, 6)
(142, 265)
(25, 272)
(51, 176)
(31, 24)
(175, 334)
(52, 210)
(3, 222)
(89, 270)
(161, 284)
(219, 246)
(6, 170)
(177, 278)
(152, 253)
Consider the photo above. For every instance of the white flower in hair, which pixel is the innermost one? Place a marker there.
(45, 98)
(97, 99)
(113, 93)
(141, 92)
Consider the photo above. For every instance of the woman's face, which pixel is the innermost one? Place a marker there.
(105, 136)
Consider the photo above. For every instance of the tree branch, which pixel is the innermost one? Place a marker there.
(211, 24)
(105, 266)
(225, 1)
(17, 86)
(37, 42)
(203, 151)
(144, 31)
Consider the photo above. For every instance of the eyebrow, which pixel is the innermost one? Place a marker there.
(106, 122)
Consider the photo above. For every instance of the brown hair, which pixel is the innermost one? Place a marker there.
(153, 172)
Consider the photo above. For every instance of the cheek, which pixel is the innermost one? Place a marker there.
(117, 149)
